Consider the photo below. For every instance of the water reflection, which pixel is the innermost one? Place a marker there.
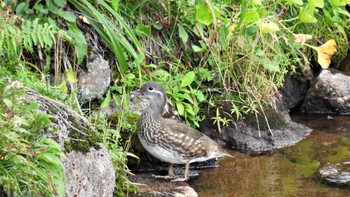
(288, 172)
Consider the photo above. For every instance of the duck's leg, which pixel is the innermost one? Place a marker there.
(170, 173)
(186, 173)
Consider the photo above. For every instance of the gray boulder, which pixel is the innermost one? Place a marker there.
(93, 83)
(337, 174)
(329, 94)
(88, 166)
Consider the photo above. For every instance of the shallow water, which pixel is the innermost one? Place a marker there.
(287, 172)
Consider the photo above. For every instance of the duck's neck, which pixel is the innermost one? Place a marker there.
(156, 106)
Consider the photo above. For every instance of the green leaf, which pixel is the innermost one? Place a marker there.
(8, 103)
(33, 106)
(115, 4)
(21, 8)
(316, 3)
(251, 17)
(60, 3)
(271, 66)
(183, 34)
(189, 109)
(143, 30)
(199, 94)
(187, 79)
(307, 16)
(180, 108)
(117, 99)
(197, 48)
(203, 15)
(80, 44)
(161, 73)
(112, 35)
(71, 76)
(256, 2)
(68, 16)
(336, 3)
(187, 97)
(298, 2)
(63, 87)
(106, 100)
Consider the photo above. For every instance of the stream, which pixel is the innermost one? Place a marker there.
(287, 172)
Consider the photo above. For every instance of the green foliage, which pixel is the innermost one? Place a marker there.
(77, 39)
(34, 26)
(42, 10)
(247, 50)
(111, 139)
(110, 34)
(179, 89)
(209, 51)
(30, 163)
(15, 38)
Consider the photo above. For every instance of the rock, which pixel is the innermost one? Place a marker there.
(149, 186)
(89, 174)
(259, 134)
(88, 166)
(293, 92)
(337, 174)
(240, 136)
(94, 83)
(329, 94)
(344, 65)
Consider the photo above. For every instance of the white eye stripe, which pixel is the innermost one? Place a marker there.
(158, 92)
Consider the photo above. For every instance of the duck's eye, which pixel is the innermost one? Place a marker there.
(150, 88)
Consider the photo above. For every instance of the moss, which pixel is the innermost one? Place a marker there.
(83, 142)
(275, 119)
(83, 137)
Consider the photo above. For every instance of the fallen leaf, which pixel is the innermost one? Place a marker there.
(325, 52)
(302, 38)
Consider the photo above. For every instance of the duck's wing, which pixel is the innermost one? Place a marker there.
(184, 132)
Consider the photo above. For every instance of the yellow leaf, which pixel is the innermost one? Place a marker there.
(325, 53)
(302, 38)
(268, 27)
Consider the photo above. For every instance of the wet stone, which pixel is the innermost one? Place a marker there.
(150, 186)
(337, 174)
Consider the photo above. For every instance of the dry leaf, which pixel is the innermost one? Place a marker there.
(85, 20)
(325, 52)
(302, 38)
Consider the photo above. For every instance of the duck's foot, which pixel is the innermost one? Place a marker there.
(170, 175)
(186, 174)
(163, 177)
(177, 178)
(180, 179)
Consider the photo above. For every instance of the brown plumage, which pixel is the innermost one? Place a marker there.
(170, 140)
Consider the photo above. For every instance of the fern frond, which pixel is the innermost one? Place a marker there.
(14, 39)
(36, 33)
